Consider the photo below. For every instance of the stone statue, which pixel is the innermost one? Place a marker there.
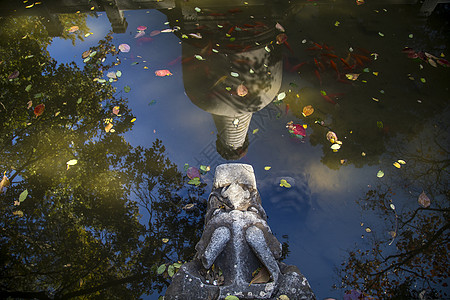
(236, 243)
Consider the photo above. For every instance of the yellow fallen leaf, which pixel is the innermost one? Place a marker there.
(108, 127)
(352, 76)
(375, 73)
(402, 162)
(165, 240)
(132, 120)
(397, 165)
(267, 168)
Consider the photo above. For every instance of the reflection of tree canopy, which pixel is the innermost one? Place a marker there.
(77, 233)
(411, 255)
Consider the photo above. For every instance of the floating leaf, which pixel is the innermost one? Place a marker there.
(193, 172)
(39, 110)
(79, 100)
(194, 181)
(281, 96)
(368, 229)
(230, 297)
(392, 206)
(119, 73)
(161, 269)
(366, 70)
(14, 74)
(23, 196)
(379, 124)
(132, 120)
(281, 38)
(335, 147)
(242, 90)
(308, 110)
(73, 29)
(5, 182)
(111, 75)
(255, 130)
(141, 28)
(410, 35)
(127, 89)
(279, 27)
(199, 57)
(267, 168)
(116, 110)
(171, 270)
(380, 34)
(108, 127)
(165, 240)
(423, 200)
(337, 23)
(18, 213)
(331, 137)
(284, 183)
(380, 174)
(423, 80)
(352, 76)
(205, 168)
(189, 206)
(162, 73)
(124, 47)
(397, 165)
(401, 161)
(72, 162)
(234, 74)
(197, 9)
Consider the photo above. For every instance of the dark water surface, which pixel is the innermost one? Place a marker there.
(99, 196)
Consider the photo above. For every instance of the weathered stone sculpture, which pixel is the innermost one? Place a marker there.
(235, 243)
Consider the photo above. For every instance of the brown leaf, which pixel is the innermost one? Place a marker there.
(263, 276)
(242, 90)
(86, 54)
(423, 200)
(4, 183)
(39, 110)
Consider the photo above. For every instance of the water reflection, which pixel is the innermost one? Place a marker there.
(406, 257)
(73, 188)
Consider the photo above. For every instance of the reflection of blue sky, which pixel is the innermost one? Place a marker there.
(318, 213)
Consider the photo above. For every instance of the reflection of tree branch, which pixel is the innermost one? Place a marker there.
(422, 208)
(25, 295)
(411, 254)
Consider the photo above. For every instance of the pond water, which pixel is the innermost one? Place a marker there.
(98, 129)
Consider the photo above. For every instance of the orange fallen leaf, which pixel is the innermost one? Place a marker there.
(308, 110)
(108, 127)
(242, 90)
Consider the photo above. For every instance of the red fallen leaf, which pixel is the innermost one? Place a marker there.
(141, 28)
(281, 38)
(155, 32)
(14, 74)
(242, 90)
(193, 172)
(39, 110)
(116, 110)
(162, 73)
(443, 62)
(296, 129)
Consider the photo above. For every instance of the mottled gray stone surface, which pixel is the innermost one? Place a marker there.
(237, 241)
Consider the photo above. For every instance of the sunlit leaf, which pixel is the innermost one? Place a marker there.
(352, 76)
(423, 200)
(331, 137)
(397, 165)
(284, 183)
(199, 57)
(72, 162)
(231, 297)
(368, 229)
(127, 89)
(116, 110)
(255, 130)
(119, 73)
(392, 206)
(267, 168)
(23, 195)
(108, 127)
(171, 270)
(141, 28)
(162, 73)
(5, 182)
(380, 174)
(234, 74)
(18, 213)
(132, 120)
(401, 161)
(335, 147)
(111, 75)
(165, 240)
(189, 206)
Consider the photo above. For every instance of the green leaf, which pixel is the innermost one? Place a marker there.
(171, 270)
(380, 174)
(423, 80)
(161, 269)
(127, 89)
(186, 166)
(194, 181)
(380, 124)
(118, 73)
(284, 183)
(79, 100)
(23, 195)
(255, 130)
(28, 88)
(230, 297)
(177, 265)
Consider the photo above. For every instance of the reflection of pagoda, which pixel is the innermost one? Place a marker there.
(236, 48)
